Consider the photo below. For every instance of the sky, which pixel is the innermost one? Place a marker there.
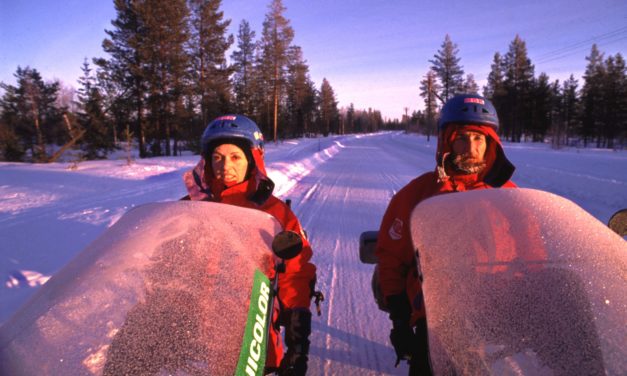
(373, 52)
(339, 187)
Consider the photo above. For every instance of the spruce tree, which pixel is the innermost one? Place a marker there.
(350, 119)
(428, 89)
(96, 143)
(592, 96)
(243, 67)
(447, 68)
(276, 38)
(519, 76)
(10, 146)
(570, 107)
(209, 44)
(124, 70)
(495, 90)
(301, 94)
(328, 108)
(166, 62)
(470, 85)
(542, 108)
(28, 109)
(614, 124)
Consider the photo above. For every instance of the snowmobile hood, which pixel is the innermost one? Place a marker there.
(498, 168)
(202, 185)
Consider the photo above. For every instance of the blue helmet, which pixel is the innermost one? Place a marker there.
(231, 127)
(468, 109)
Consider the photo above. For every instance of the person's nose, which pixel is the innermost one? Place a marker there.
(226, 163)
(476, 146)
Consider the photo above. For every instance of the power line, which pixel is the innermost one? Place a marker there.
(609, 37)
(586, 42)
(578, 50)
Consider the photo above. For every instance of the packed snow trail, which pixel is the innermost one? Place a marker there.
(584, 177)
(346, 195)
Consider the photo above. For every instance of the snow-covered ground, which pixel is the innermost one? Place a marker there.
(339, 187)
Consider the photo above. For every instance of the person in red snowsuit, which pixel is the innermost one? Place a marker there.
(469, 156)
(232, 171)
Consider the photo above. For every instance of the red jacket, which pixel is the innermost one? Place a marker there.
(256, 193)
(395, 251)
(296, 283)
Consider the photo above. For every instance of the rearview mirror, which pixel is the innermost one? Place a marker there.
(287, 244)
(367, 245)
(618, 222)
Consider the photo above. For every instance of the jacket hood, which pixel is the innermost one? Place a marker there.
(202, 185)
(498, 168)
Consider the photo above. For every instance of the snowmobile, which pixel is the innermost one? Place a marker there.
(166, 290)
(518, 281)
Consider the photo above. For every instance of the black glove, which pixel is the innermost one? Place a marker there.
(420, 363)
(402, 335)
(297, 324)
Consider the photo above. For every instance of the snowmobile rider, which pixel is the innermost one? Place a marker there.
(469, 156)
(232, 171)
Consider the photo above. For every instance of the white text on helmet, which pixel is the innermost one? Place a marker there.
(228, 117)
(474, 100)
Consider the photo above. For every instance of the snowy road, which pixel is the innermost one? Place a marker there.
(339, 187)
(338, 200)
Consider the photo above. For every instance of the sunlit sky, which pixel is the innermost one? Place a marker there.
(373, 52)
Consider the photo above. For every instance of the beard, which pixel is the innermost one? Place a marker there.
(467, 164)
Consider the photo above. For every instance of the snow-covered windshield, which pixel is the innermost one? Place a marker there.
(520, 281)
(165, 289)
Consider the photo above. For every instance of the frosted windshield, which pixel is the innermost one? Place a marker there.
(165, 289)
(520, 281)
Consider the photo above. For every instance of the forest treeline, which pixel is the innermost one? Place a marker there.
(534, 108)
(167, 74)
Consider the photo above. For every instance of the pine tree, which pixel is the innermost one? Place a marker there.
(10, 146)
(447, 68)
(495, 90)
(276, 38)
(123, 72)
(614, 123)
(209, 44)
(328, 108)
(470, 85)
(519, 76)
(542, 108)
(301, 94)
(28, 109)
(570, 107)
(592, 95)
(162, 49)
(243, 67)
(350, 119)
(428, 89)
(96, 142)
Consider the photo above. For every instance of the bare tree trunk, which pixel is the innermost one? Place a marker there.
(68, 145)
(276, 101)
(140, 135)
(129, 140)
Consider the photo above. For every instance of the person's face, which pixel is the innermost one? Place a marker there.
(229, 164)
(470, 146)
